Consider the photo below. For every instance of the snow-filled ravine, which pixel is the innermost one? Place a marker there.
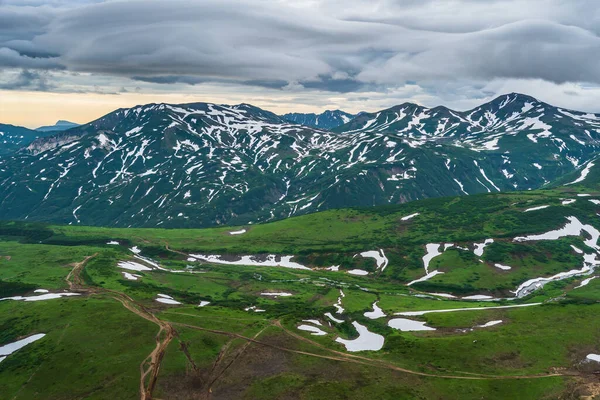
(417, 313)
(267, 261)
(379, 257)
(312, 329)
(366, 340)
(376, 313)
(42, 297)
(10, 348)
(572, 228)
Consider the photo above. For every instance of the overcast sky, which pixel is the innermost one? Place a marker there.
(79, 59)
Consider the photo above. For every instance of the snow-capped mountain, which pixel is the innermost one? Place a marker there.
(61, 125)
(206, 164)
(326, 120)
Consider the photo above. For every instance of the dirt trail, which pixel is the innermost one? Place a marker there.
(150, 366)
(73, 279)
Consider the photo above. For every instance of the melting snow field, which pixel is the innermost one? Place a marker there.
(40, 291)
(135, 250)
(376, 313)
(568, 201)
(479, 247)
(113, 242)
(584, 174)
(585, 282)
(531, 285)
(360, 272)
(488, 324)
(338, 304)
(503, 267)
(426, 277)
(593, 357)
(282, 294)
(416, 313)
(240, 232)
(313, 329)
(379, 257)
(131, 277)
(47, 296)
(478, 297)
(313, 321)
(409, 217)
(334, 319)
(536, 208)
(270, 261)
(133, 266)
(408, 325)
(203, 303)
(573, 228)
(165, 299)
(253, 308)
(10, 348)
(366, 340)
(432, 250)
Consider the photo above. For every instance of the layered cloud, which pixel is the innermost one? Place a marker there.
(330, 46)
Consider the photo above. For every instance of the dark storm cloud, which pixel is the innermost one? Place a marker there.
(29, 80)
(331, 45)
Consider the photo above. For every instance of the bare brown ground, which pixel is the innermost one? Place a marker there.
(150, 366)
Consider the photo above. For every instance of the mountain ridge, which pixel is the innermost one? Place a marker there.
(203, 164)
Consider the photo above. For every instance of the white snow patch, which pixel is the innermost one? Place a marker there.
(416, 313)
(425, 278)
(536, 208)
(478, 297)
(135, 250)
(279, 294)
(409, 216)
(114, 243)
(593, 357)
(479, 247)
(133, 266)
(408, 325)
(131, 277)
(366, 341)
(488, 324)
(241, 231)
(334, 319)
(10, 348)
(313, 329)
(503, 267)
(584, 174)
(585, 282)
(360, 272)
(376, 313)
(432, 250)
(203, 303)
(271, 261)
(379, 257)
(42, 297)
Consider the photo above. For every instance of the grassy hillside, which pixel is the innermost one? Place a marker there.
(115, 340)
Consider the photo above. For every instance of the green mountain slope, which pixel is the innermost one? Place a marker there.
(13, 138)
(505, 343)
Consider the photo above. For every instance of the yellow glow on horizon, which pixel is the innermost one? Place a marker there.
(35, 109)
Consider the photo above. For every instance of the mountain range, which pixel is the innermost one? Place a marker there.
(326, 120)
(202, 164)
(61, 125)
